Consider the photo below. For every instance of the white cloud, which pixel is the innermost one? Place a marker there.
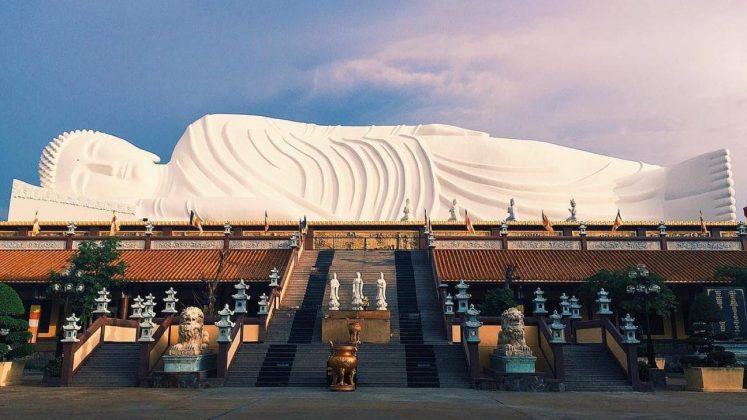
(657, 81)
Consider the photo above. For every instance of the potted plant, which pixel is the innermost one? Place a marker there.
(14, 337)
(710, 368)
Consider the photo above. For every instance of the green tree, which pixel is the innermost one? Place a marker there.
(496, 301)
(616, 283)
(736, 275)
(704, 309)
(14, 333)
(94, 266)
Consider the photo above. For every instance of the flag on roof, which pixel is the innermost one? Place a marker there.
(618, 221)
(35, 228)
(195, 220)
(546, 223)
(114, 228)
(703, 227)
(468, 222)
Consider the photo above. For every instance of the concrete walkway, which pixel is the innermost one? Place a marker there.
(373, 403)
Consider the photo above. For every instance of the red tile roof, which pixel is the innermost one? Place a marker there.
(152, 265)
(575, 266)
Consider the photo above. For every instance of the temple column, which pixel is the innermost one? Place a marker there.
(124, 306)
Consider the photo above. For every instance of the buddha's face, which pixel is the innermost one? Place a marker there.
(99, 165)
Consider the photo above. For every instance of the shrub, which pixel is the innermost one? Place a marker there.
(496, 301)
(706, 354)
(704, 309)
(14, 343)
(53, 369)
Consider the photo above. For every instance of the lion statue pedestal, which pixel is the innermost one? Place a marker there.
(512, 355)
(191, 353)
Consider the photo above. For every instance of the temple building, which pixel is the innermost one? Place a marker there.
(421, 262)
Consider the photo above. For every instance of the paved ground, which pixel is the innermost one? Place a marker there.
(372, 403)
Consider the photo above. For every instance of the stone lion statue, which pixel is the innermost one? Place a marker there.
(513, 342)
(193, 340)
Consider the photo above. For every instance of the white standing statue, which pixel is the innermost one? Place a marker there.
(381, 293)
(234, 167)
(453, 211)
(572, 211)
(357, 292)
(511, 211)
(406, 211)
(334, 293)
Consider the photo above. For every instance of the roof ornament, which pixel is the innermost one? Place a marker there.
(572, 211)
(453, 211)
(406, 211)
(511, 211)
(662, 229)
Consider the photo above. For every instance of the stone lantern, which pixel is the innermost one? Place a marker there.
(146, 326)
(137, 308)
(629, 330)
(274, 277)
(226, 229)
(71, 229)
(449, 305)
(557, 328)
(662, 229)
(472, 325)
(102, 303)
(539, 303)
(263, 305)
(603, 303)
(575, 308)
(565, 306)
(149, 228)
(240, 298)
(504, 229)
(225, 325)
(294, 240)
(462, 297)
(170, 302)
(582, 230)
(71, 329)
(431, 240)
(741, 229)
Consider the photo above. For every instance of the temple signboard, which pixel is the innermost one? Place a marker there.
(732, 304)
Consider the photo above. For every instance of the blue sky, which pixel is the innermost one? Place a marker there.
(653, 81)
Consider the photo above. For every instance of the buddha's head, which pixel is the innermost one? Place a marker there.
(98, 165)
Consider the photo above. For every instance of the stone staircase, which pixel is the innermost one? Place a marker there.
(589, 367)
(110, 365)
(294, 330)
(293, 354)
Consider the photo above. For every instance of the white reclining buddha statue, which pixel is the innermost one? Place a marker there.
(236, 167)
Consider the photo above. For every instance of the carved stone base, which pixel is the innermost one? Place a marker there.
(375, 326)
(180, 380)
(525, 382)
(203, 362)
(512, 364)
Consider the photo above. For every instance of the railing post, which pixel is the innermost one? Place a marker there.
(471, 336)
(66, 376)
(631, 350)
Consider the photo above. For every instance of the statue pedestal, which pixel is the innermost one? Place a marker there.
(203, 362)
(375, 326)
(512, 364)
